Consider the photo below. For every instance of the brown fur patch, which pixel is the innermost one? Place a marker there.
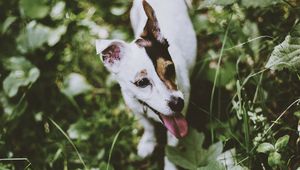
(142, 73)
(156, 47)
(161, 69)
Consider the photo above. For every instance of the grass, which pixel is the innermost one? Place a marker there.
(70, 141)
(112, 147)
(251, 87)
(17, 159)
(216, 79)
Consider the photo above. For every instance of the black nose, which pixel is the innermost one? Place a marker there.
(176, 104)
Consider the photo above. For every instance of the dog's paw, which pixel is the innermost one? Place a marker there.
(146, 146)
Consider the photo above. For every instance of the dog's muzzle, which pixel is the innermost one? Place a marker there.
(176, 123)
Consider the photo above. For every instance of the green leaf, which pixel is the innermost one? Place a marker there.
(57, 12)
(17, 63)
(35, 35)
(212, 165)
(282, 142)
(191, 155)
(176, 156)
(274, 159)
(265, 148)
(208, 3)
(80, 130)
(12, 110)
(103, 165)
(76, 84)
(287, 54)
(21, 75)
(214, 150)
(33, 8)
(259, 3)
(56, 35)
(8, 21)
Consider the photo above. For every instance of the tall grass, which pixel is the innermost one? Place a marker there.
(70, 141)
(216, 79)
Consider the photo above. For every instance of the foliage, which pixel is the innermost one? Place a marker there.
(274, 158)
(49, 71)
(191, 155)
(287, 54)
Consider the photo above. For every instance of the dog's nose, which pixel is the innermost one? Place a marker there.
(176, 104)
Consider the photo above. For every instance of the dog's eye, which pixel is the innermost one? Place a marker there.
(144, 82)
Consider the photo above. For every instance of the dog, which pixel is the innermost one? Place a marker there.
(153, 70)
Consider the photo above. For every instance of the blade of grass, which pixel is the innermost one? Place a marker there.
(246, 81)
(241, 110)
(256, 91)
(279, 117)
(70, 141)
(275, 122)
(112, 146)
(215, 80)
(221, 123)
(253, 39)
(17, 159)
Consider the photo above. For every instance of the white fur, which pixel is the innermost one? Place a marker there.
(176, 27)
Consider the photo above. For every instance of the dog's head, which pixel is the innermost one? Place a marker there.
(146, 72)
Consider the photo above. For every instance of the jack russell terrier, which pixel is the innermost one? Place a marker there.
(153, 70)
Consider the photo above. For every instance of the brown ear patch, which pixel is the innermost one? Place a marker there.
(151, 29)
(143, 43)
(163, 69)
(156, 47)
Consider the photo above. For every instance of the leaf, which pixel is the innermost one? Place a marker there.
(57, 12)
(103, 166)
(282, 142)
(35, 9)
(21, 75)
(9, 20)
(80, 130)
(17, 63)
(212, 165)
(274, 159)
(265, 148)
(12, 110)
(118, 10)
(35, 35)
(190, 154)
(209, 3)
(214, 150)
(287, 54)
(76, 84)
(176, 157)
(259, 3)
(56, 35)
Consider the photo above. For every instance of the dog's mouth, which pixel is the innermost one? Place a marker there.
(176, 124)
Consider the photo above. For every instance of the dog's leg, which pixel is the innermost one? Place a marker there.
(171, 141)
(148, 141)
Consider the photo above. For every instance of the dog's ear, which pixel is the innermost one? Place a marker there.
(151, 29)
(111, 53)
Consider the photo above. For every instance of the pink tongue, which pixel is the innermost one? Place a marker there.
(176, 124)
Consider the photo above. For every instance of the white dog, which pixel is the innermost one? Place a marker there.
(153, 70)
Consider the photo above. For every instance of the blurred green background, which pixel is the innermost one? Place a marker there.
(52, 82)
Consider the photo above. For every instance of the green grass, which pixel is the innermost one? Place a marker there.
(245, 104)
